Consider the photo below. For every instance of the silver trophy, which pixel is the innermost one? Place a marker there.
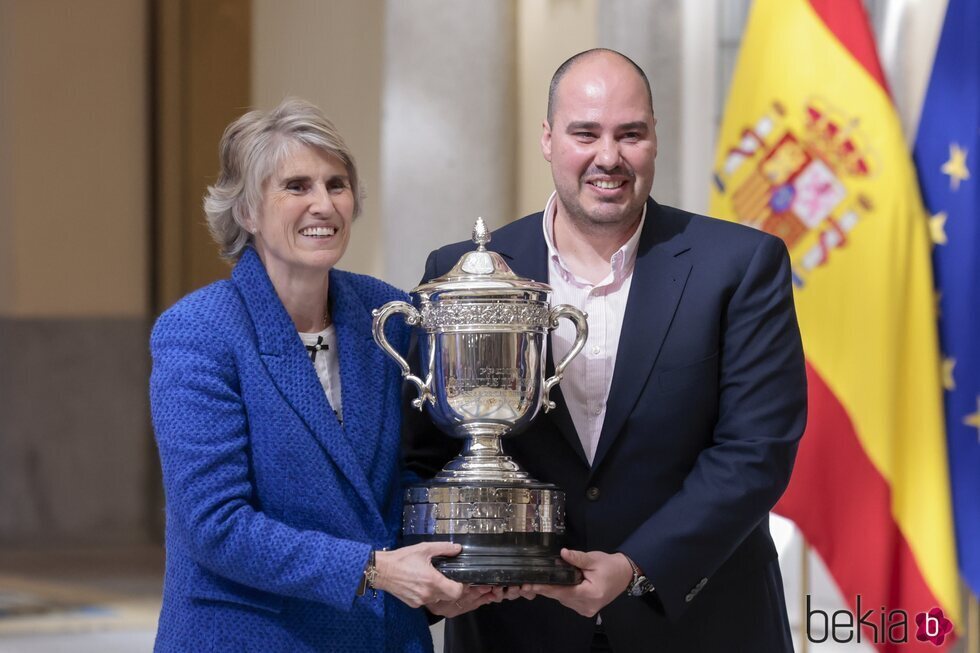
(482, 342)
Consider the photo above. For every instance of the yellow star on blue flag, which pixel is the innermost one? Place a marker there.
(937, 228)
(956, 166)
(973, 419)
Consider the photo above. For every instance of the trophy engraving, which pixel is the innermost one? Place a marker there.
(482, 333)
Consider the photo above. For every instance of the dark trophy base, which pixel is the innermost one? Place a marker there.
(504, 560)
(508, 533)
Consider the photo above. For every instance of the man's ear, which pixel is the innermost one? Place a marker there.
(546, 140)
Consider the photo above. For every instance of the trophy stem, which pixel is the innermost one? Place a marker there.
(482, 460)
(483, 446)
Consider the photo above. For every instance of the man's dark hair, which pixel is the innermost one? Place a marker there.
(567, 65)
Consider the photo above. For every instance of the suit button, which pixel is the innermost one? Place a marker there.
(592, 494)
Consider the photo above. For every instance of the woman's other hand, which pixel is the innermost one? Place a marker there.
(473, 597)
(408, 574)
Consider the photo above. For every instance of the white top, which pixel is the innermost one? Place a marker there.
(587, 378)
(327, 365)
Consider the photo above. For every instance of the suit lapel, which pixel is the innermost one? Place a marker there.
(527, 252)
(288, 364)
(659, 277)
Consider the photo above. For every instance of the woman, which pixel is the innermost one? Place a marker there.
(277, 420)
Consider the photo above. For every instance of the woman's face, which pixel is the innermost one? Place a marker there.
(304, 222)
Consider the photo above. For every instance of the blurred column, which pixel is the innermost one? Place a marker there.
(908, 38)
(650, 33)
(548, 33)
(330, 53)
(447, 135)
(201, 83)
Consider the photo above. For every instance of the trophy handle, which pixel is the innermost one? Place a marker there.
(412, 317)
(581, 335)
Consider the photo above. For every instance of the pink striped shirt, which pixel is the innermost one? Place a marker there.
(587, 378)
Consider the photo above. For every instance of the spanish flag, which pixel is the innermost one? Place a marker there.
(811, 150)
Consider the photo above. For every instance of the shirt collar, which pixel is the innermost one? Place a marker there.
(622, 259)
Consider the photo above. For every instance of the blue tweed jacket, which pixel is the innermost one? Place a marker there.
(272, 505)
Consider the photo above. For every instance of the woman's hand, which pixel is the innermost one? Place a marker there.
(473, 597)
(408, 574)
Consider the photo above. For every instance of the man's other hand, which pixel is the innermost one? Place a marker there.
(606, 576)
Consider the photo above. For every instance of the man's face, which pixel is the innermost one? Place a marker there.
(602, 143)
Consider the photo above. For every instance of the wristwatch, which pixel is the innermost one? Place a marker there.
(640, 584)
(369, 577)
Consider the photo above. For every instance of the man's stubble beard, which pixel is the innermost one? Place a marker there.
(599, 223)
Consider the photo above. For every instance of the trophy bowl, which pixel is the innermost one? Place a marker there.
(482, 333)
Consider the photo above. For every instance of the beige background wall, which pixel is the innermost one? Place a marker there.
(73, 157)
(74, 161)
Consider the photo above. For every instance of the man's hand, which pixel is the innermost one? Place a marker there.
(512, 592)
(607, 575)
(408, 574)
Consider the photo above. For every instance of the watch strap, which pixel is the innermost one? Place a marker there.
(640, 584)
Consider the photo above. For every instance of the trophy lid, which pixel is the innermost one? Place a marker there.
(481, 270)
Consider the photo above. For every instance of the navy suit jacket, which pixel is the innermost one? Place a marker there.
(272, 504)
(705, 411)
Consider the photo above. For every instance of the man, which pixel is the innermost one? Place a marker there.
(677, 425)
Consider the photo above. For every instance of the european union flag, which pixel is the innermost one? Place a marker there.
(946, 154)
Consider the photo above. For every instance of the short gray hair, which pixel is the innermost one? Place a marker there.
(251, 150)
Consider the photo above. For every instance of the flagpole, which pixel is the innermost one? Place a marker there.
(804, 590)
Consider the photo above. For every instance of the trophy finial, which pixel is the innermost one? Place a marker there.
(481, 235)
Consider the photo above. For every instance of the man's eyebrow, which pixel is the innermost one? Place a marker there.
(638, 125)
(582, 124)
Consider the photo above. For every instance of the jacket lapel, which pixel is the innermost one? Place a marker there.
(528, 254)
(363, 375)
(659, 278)
(288, 364)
